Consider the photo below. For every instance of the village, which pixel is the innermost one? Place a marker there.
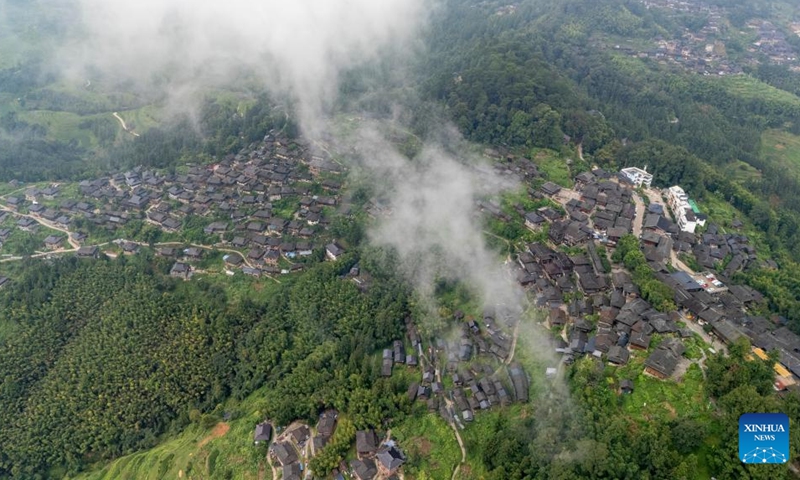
(705, 52)
(267, 208)
(607, 318)
(479, 377)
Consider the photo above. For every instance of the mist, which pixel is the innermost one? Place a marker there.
(297, 48)
(300, 49)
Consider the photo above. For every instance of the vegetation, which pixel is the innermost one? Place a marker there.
(88, 378)
(658, 294)
(335, 451)
(104, 359)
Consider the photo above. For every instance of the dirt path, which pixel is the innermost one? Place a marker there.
(22, 189)
(196, 245)
(678, 263)
(696, 328)
(702, 363)
(45, 223)
(220, 430)
(269, 460)
(424, 359)
(463, 451)
(124, 125)
(75, 245)
(654, 195)
(507, 242)
(638, 220)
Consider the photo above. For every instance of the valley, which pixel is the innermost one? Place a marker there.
(498, 240)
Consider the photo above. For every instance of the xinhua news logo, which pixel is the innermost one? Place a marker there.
(763, 438)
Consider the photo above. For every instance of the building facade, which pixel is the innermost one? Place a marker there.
(638, 176)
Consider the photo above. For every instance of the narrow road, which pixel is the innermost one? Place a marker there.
(702, 363)
(461, 446)
(424, 359)
(124, 125)
(75, 245)
(204, 247)
(45, 223)
(696, 328)
(638, 220)
(678, 263)
(269, 458)
(13, 192)
(654, 197)
(508, 244)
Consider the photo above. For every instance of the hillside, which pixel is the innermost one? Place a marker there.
(170, 284)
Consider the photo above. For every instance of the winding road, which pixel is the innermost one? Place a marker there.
(75, 245)
(124, 125)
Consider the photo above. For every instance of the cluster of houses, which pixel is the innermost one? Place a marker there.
(704, 51)
(272, 201)
(602, 314)
(714, 247)
(772, 42)
(373, 458)
(603, 211)
(474, 362)
(624, 322)
(471, 395)
(287, 449)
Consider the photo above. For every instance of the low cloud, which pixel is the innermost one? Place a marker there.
(297, 47)
(301, 49)
(433, 223)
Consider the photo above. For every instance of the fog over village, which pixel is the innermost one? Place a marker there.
(413, 240)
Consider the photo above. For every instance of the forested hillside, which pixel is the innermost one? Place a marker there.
(549, 75)
(102, 359)
(108, 356)
(529, 78)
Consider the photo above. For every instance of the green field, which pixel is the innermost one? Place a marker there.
(782, 148)
(63, 126)
(661, 400)
(429, 444)
(66, 126)
(741, 172)
(749, 88)
(553, 166)
(143, 118)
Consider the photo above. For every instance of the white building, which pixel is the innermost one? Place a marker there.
(682, 210)
(638, 176)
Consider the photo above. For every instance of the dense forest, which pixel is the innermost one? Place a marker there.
(107, 356)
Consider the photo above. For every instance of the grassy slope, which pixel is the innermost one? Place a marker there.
(783, 148)
(749, 88)
(199, 453)
(429, 439)
(552, 166)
